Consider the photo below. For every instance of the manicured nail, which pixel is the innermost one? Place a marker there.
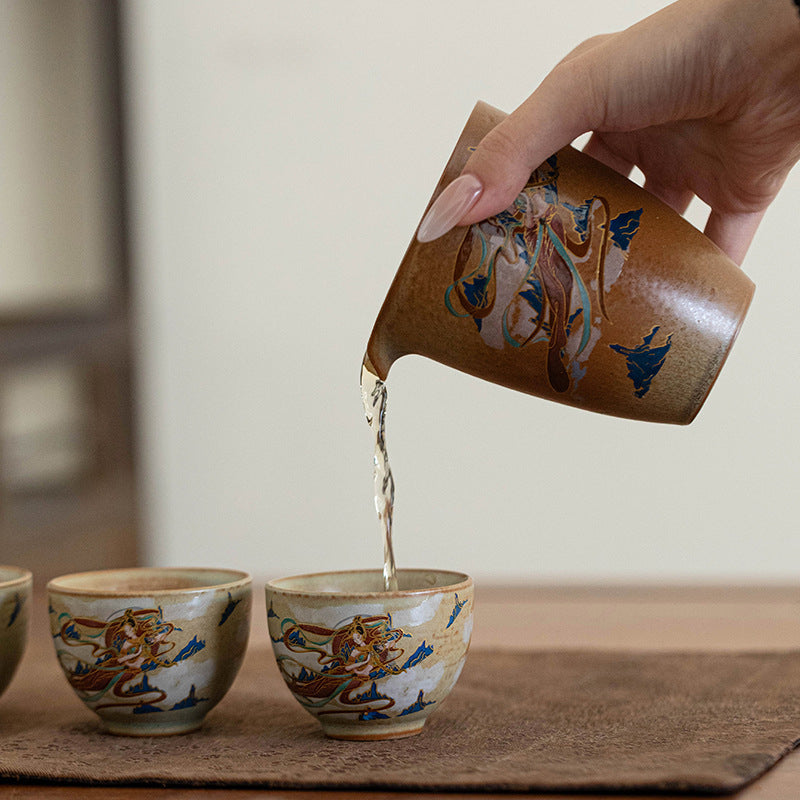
(449, 207)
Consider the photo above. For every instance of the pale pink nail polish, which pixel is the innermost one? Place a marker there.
(450, 206)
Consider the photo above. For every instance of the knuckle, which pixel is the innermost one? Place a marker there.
(501, 161)
(585, 45)
(502, 144)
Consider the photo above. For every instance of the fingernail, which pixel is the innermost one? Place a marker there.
(449, 207)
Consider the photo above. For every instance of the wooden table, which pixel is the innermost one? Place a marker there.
(642, 618)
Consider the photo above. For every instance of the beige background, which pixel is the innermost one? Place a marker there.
(53, 195)
(282, 154)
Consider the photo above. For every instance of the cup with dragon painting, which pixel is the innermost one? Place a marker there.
(151, 650)
(367, 663)
(16, 585)
(587, 290)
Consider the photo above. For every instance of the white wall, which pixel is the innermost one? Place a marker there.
(282, 156)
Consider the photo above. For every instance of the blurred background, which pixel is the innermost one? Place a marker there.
(202, 205)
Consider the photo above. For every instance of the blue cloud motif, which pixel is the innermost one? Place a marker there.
(15, 611)
(420, 654)
(476, 290)
(71, 632)
(644, 361)
(190, 700)
(371, 695)
(505, 218)
(416, 706)
(456, 611)
(624, 227)
(304, 676)
(143, 687)
(195, 646)
(146, 708)
(368, 715)
(533, 296)
(295, 638)
(229, 609)
(581, 215)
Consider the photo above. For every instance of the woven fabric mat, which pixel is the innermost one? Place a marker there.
(516, 721)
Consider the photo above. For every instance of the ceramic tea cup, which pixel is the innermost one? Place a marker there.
(151, 650)
(15, 597)
(587, 290)
(367, 663)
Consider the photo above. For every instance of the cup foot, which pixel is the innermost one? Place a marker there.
(359, 732)
(121, 728)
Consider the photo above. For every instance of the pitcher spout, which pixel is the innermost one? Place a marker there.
(380, 353)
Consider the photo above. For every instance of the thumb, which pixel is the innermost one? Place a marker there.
(503, 162)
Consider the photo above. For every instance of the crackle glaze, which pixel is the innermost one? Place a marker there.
(151, 651)
(370, 664)
(15, 598)
(587, 290)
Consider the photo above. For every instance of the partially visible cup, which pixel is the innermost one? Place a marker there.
(367, 663)
(151, 650)
(16, 585)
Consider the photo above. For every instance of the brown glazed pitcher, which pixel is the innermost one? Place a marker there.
(587, 290)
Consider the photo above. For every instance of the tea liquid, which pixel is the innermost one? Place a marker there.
(373, 394)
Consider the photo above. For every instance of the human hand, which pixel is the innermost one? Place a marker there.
(703, 96)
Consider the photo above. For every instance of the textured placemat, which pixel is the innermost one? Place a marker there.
(533, 721)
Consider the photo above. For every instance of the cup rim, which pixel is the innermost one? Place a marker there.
(463, 581)
(22, 576)
(236, 578)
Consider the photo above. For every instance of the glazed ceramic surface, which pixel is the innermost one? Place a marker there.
(15, 597)
(587, 290)
(370, 664)
(151, 651)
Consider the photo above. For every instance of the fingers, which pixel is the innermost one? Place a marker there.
(619, 153)
(502, 163)
(675, 197)
(563, 107)
(558, 111)
(733, 233)
(597, 148)
(505, 159)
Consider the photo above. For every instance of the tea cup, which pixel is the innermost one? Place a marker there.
(150, 650)
(370, 664)
(15, 596)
